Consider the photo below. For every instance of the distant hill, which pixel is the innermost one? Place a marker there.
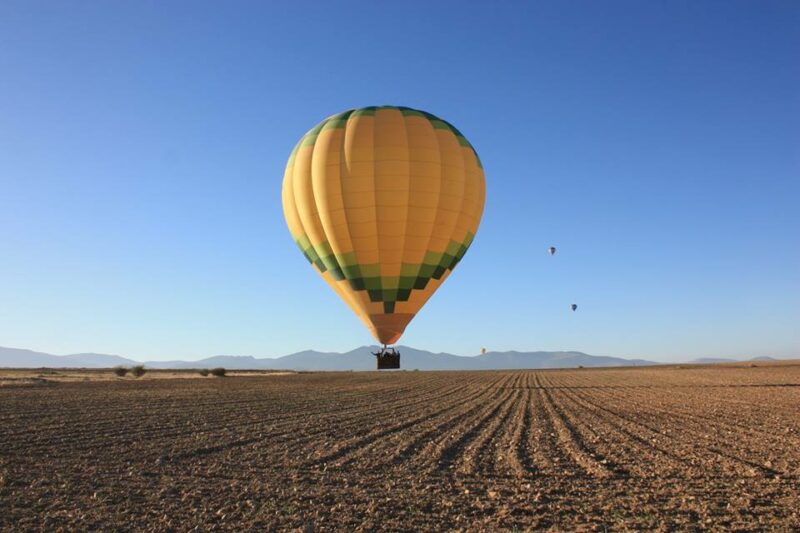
(98, 360)
(715, 360)
(18, 358)
(242, 362)
(358, 359)
(411, 358)
(510, 360)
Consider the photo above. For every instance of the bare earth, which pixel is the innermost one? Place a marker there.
(689, 448)
(15, 377)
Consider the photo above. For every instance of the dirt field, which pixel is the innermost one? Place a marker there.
(15, 377)
(656, 449)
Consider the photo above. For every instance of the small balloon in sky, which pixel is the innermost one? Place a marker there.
(574, 307)
(483, 351)
(551, 250)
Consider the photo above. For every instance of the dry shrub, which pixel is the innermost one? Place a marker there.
(120, 371)
(219, 372)
(138, 371)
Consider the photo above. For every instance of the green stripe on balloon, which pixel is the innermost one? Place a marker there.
(367, 277)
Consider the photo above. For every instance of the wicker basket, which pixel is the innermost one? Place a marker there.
(388, 361)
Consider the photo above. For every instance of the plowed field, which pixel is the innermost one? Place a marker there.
(657, 449)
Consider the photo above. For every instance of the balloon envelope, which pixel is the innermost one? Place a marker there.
(384, 202)
(573, 307)
(552, 250)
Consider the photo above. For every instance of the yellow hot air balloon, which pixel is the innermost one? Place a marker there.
(384, 202)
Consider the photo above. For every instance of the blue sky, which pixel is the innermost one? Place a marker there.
(142, 147)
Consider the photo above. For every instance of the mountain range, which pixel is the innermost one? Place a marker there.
(715, 360)
(358, 359)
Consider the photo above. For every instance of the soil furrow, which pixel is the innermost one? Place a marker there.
(572, 440)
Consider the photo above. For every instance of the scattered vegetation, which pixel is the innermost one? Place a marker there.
(203, 372)
(219, 372)
(138, 371)
(120, 371)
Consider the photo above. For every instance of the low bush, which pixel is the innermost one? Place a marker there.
(203, 371)
(120, 371)
(219, 372)
(138, 371)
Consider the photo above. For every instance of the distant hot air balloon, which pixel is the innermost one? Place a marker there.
(384, 202)
(574, 307)
(551, 250)
(483, 351)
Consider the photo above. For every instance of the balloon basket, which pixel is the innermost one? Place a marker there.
(388, 361)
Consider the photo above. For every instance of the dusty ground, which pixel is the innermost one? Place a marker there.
(15, 377)
(654, 449)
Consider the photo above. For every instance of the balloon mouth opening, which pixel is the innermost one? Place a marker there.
(388, 328)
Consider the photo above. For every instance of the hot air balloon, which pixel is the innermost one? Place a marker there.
(483, 351)
(573, 306)
(384, 202)
(551, 250)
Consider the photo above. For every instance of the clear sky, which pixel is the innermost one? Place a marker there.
(656, 144)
